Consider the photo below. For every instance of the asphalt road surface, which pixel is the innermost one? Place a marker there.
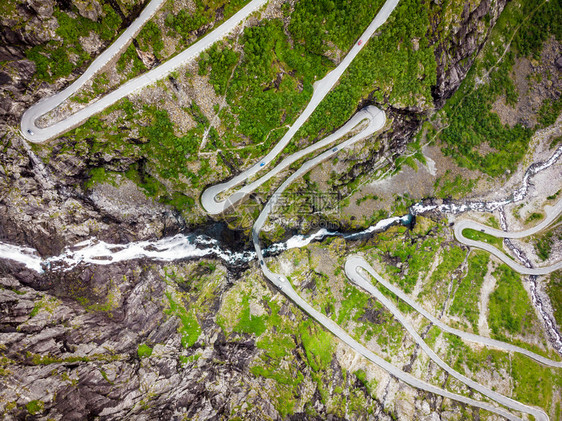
(552, 214)
(285, 286)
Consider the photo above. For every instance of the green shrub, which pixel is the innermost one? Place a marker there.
(144, 351)
(509, 308)
(467, 296)
(35, 407)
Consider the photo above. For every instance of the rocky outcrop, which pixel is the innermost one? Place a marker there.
(455, 53)
(90, 9)
(39, 211)
(81, 360)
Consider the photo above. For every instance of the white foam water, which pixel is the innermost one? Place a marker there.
(492, 206)
(178, 247)
(24, 255)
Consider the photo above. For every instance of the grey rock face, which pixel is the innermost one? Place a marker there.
(455, 55)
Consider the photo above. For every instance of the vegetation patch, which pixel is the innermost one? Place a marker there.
(57, 59)
(189, 327)
(397, 66)
(35, 407)
(467, 295)
(475, 235)
(543, 245)
(318, 344)
(510, 311)
(144, 351)
(455, 188)
(474, 135)
(534, 383)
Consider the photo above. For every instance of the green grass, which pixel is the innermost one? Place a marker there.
(130, 58)
(186, 23)
(439, 279)
(318, 344)
(353, 304)
(263, 92)
(543, 245)
(249, 323)
(467, 296)
(150, 37)
(369, 385)
(483, 237)
(221, 62)
(189, 327)
(510, 310)
(317, 24)
(144, 351)
(390, 68)
(37, 359)
(52, 59)
(98, 176)
(415, 255)
(535, 216)
(162, 154)
(449, 187)
(549, 111)
(534, 383)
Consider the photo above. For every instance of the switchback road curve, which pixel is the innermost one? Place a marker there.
(321, 89)
(33, 133)
(354, 263)
(352, 266)
(375, 119)
(463, 224)
(281, 282)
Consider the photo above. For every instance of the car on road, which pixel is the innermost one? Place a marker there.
(335, 149)
(360, 42)
(30, 132)
(262, 164)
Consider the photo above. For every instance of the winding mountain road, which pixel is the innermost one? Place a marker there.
(552, 214)
(321, 88)
(281, 282)
(375, 119)
(352, 266)
(354, 263)
(36, 134)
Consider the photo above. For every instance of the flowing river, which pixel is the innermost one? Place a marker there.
(191, 246)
